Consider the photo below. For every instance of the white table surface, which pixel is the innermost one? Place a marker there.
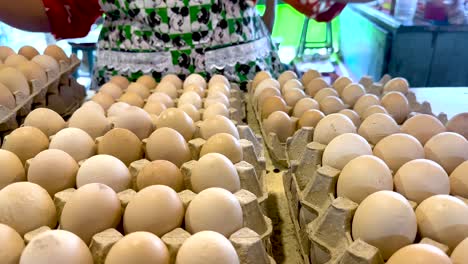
(450, 100)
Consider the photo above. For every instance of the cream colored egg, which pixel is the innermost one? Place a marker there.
(48, 63)
(397, 106)
(218, 78)
(259, 77)
(310, 118)
(160, 172)
(26, 206)
(219, 87)
(122, 144)
(363, 176)
(6, 97)
(95, 124)
(443, 218)
(291, 84)
(14, 80)
(75, 142)
(310, 75)
(280, 124)
(270, 82)
(448, 149)
(214, 110)
(303, 105)
(48, 121)
(177, 119)
(378, 126)
(132, 98)
(459, 124)
(91, 209)
(103, 99)
(192, 111)
(155, 108)
(54, 170)
(459, 180)
(365, 102)
(190, 98)
(273, 104)
(214, 170)
(332, 126)
(57, 53)
(136, 120)
(117, 109)
(111, 89)
(460, 253)
(148, 81)
(225, 144)
(216, 97)
(5, 52)
(156, 209)
(331, 104)
(56, 247)
(352, 92)
(194, 251)
(266, 93)
(420, 179)
(352, 115)
(398, 149)
(293, 95)
(341, 83)
(195, 88)
(120, 81)
(174, 79)
(324, 93)
(94, 107)
(214, 209)
(167, 88)
(218, 124)
(315, 85)
(12, 168)
(163, 98)
(374, 109)
(397, 85)
(260, 90)
(195, 79)
(343, 148)
(26, 142)
(386, 220)
(286, 76)
(423, 127)
(139, 88)
(32, 71)
(11, 245)
(419, 254)
(15, 60)
(138, 247)
(168, 144)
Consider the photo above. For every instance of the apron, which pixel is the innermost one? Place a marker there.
(207, 37)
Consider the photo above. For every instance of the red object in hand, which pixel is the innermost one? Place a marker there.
(321, 11)
(435, 11)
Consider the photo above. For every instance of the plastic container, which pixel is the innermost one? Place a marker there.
(405, 10)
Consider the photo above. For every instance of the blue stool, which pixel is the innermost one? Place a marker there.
(88, 50)
(304, 44)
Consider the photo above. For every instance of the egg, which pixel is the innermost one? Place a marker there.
(419, 254)
(260, 89)
(160, 172)
(14, 80)
(48, 63)
(218, 124)
(161, 97)
(136, 120)
(111, 89)
(214, 170)
(75, 142)
(225, 144)
(167, 88)
(156, 209)
(291, 84)
(397, 105)
(168, 144)
(315, 85)
(26, 142)
(216, 97)
(331, 104)
(310, 118)
(324, 93)
(351, 114)
(195, 78)
(140, 89)
(104, 169)
(268, 83)
(6, 97)
(386, 220)
(218, 78)
(259, 77)
(103, 99)
(121, 81)
(12, 168)
(148, 81)
(57, 53)
(443, 218)
(397, 149)
(374, 109)
(132, 98)
(54, 170)
(177, 119)
(95, 124)
(91, 209)
(117, 109)
(214, 209)
(280, 124)
(5, 52)
(122, 144)
(363, 176)
(310, 75)
(48, 121)
(55, 247)
(286, 76)
(26, 206)
(265, 94)
(293, 95)
(138, 247)
(459, 180)
(32, 71)
(423, 127)
(95, 107)
(303, 105)
(192, 111)
(343, 148)
(420, 179)
(352, 92)
(219, 87)
(459, 124)
(397, 85)
(460, 253)
(341, 83)
(155, 107)
(273, 104)
(15, 60)
(448, 149)
(195, 88)
(11, 245)
(378, 126)
(190, 98)
(174, 79)
(365, 102)
(28, 52)
(215, 109)
(332, 126)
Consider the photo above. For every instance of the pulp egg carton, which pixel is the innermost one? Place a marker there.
(252, 241)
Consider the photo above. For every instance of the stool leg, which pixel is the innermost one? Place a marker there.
(302, 42)
(330, 37)
(75, 51)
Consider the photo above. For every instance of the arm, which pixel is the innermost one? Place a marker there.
(270, 13)
(25, 14)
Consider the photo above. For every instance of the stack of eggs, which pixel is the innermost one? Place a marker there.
(123, 123)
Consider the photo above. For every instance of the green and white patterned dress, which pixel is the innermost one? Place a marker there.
(184, 36)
